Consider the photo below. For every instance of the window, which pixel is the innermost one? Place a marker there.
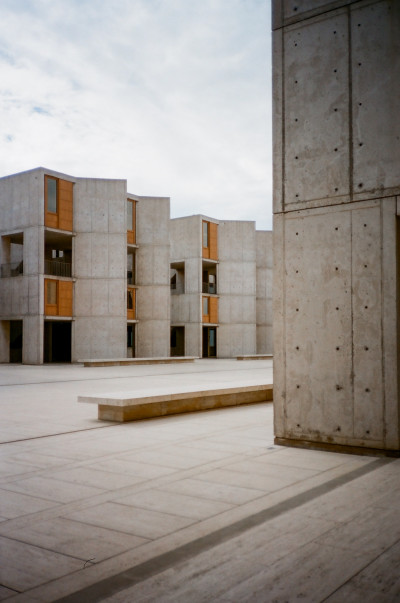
(130, 221)
(51, 184)
(130, 299)
(57, 253)
(131, 269)
(205, 306)
(205, 234)
(51, 298)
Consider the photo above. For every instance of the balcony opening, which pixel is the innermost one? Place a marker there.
(130, 344)
(57, 254)
(57, 341)
(12, 253)
(209, 279)
(209, 342)
(16, 340)
(177, 278)
(177, 341)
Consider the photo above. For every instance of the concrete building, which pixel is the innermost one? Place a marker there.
(213, 287)
(84, 269)
(336, 223)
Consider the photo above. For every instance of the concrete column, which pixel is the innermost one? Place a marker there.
(336, 250)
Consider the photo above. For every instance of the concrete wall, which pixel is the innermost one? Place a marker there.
(264, 266)
(99, 266)
(336, 182)
(152, 277)
(236, 288)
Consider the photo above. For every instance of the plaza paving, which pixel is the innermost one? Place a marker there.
(194, 507)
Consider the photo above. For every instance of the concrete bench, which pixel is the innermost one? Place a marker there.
(124, 361)
(158, 402)
(255, 357)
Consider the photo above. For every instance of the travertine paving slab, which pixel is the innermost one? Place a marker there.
(51, 489)
(214, 491)
(15, 504)
(374, 529)
(131, 520)
(90, 476)
(76, 539)
(253, 480)
(126, 465)
(23, 566)
(181, 505)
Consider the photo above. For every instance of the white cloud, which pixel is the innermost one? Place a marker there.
(172, 95)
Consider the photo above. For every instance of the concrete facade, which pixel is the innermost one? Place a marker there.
(229, 278)
(336, 206)
(88, 264)
(264, 283)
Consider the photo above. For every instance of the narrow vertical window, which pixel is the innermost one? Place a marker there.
(130, 300)
(130, 225)
(205, 306)
(205, 234)
(51, 293)
(51, 184)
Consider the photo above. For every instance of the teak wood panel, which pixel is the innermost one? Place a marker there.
(65, 205)
(65, 298)
(131, 234)
(50, 309)
(211, 252)
(63, 218)
(131, 313)
(213, 309)
(213, 241)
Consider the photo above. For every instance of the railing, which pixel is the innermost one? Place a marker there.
(210, 288)
(14, 269)
(57, 268)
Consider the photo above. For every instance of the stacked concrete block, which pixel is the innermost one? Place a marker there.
(336, 187)
(99, 328)
(152, 268)
(237, 288)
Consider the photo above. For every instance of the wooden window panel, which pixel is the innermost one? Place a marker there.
(205, 309)
(214, 310)
(213, 241)
(50, 218)
(65, 205)
(205, 240)
(131, 304)
(131, 227)
(65, 298)
(50, 297)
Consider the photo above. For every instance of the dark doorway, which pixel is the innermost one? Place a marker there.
(209, 342)
(16, 341)
(57, 341)
(130, 343)
(177, 341)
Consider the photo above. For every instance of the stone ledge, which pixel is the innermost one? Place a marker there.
(124, 361)
(158, 402)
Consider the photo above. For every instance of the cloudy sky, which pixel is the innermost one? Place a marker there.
(172, 95)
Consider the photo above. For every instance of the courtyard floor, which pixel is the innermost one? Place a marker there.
(195, 507)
